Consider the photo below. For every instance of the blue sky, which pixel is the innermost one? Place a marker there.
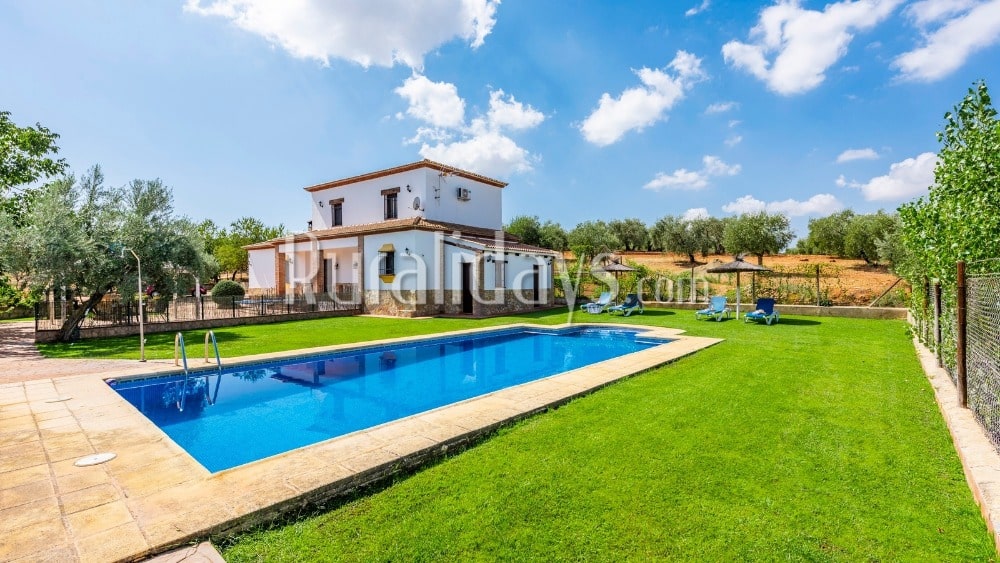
(590, 110)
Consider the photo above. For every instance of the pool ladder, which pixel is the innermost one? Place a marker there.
(180, 352)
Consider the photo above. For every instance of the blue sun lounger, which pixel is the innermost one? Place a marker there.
(765, 312)
(716, 309)
(631, 303)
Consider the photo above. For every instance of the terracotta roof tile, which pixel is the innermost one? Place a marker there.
(406, 168)
(478, 235)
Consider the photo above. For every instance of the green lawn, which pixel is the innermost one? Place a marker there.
(812, 439)
(277, 337)
(18, 320)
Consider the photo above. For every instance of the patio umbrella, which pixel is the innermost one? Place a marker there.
(737, 266)
(617, 268)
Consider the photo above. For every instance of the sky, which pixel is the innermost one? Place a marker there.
(590, 110)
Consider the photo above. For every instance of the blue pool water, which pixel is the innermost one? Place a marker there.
(252, 412)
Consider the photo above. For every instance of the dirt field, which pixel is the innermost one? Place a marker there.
(842, 281)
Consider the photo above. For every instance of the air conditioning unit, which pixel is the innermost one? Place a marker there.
(464, 194)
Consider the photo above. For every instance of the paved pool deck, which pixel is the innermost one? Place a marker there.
(153, 496)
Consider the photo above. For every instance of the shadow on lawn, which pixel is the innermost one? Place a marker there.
(158, 345)
(797, 322)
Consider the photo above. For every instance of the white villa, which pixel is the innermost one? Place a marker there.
(419, 239)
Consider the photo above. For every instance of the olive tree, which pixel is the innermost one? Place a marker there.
(228, 244)
(758, 234)
(590, 238)
(863, 234)
(526, 228)
(827, 234)
(553, 236)
(631, 233)
(675, 234)
(77, 235)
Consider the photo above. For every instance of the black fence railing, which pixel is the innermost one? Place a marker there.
(113, 310)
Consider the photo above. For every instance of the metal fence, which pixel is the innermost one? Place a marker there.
(960, 321)
(982, 350)
(114, 310)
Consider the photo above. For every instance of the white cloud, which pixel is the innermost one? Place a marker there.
(734, 140)
(696, 213)
(436, 103)
(927, 12)
(947, 47)
(482, 145)
(857, 154)
(698, 9)
(905, 180)
(804, 43)
(491, 153)
(819, 204)
(721, 107)
(641, 106)
(684, 179)
(511, 113)
(715, 167)
(378, 32)
(841, 181)
(734, 123)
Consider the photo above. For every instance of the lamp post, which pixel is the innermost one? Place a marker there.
(142, 335)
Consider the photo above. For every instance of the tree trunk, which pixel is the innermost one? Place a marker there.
(233, 276)
(68, 331)
(691, 257)
(760, 259)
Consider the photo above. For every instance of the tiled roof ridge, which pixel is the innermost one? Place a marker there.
(425, 163)
(384, 226)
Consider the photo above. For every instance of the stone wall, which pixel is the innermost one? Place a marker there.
(806, 310)
(17, 312)
(408, 303)
(132, 330)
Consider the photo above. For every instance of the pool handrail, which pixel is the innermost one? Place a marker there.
(218, 362)
(179, 344)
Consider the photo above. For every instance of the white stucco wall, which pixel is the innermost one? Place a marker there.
(261, 269)
(363, 201)
(484, 208)
(411, 269)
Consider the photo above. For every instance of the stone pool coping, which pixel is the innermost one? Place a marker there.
(154, 496)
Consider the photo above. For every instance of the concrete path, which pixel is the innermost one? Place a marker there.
(20, 360)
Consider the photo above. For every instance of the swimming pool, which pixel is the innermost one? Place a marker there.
(251, 412)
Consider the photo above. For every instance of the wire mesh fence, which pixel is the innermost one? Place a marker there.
(114, 310)
(983, 351)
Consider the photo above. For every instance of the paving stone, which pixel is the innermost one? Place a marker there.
(99, 519)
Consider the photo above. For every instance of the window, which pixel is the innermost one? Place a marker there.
(338, 214)
(387, 263)
(390, 206)
(500, 274)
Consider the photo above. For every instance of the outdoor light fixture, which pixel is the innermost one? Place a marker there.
(408, 188)
(320, 203)
(142, 335)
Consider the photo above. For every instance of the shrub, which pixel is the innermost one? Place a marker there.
(225, 291)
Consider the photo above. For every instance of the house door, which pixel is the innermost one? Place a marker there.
(534, 285)
(467, 288)
(329, 276)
